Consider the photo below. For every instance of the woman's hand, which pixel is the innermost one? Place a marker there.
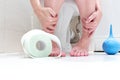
(48, 19)
(90, 24)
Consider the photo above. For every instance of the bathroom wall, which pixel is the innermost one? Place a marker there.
(17, 17)
(111, 15)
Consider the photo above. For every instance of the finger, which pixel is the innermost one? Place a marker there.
(84, 23)
(91, 30)
(90, 34)
(55, 19)
(53, 14)
(85, 29)
(91, 25)
(87, 25)
(91, 17)
(48, 30)
(49, 23)
(51, 27)
(53, 23)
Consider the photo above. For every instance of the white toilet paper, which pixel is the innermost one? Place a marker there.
(37, 43)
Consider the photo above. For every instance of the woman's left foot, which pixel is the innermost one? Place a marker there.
(82, 47)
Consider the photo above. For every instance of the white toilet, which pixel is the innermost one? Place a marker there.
(63, 31)
(68, 11)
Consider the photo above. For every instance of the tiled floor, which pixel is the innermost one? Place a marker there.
(96, 57)
(14, 66)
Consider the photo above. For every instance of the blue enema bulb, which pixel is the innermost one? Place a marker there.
(111, 46)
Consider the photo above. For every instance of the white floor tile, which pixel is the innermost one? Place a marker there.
(14, 66)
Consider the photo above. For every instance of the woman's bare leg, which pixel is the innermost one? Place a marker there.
(86, 8)
(55, 5)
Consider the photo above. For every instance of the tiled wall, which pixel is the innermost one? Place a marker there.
(111, 15)
(15, 20)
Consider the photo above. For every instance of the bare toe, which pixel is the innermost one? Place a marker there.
(72, 53)
(82, 53)
(86, 53)
(63, 54)
(51, 54)
(56, 53)
(77, 53)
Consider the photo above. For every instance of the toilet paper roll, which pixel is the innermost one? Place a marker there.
(37, 43)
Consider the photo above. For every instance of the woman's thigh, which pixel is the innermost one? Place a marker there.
(54, 4)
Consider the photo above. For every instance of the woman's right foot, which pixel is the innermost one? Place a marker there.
(56, 51)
